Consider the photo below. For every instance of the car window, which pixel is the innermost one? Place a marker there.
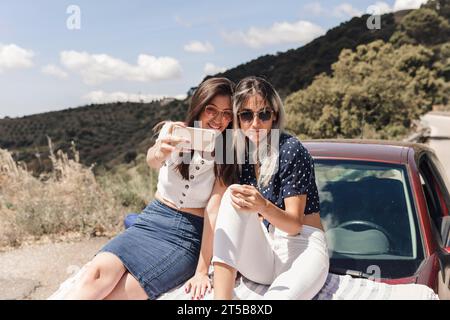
(434, 190)
(430, 193)
(444, 183)
(368, 215)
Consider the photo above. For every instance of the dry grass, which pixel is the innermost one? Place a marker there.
(69, 199)
(132, 185)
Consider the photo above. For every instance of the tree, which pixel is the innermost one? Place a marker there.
(374, 92)
(130, 156)
(443, 62)
(422, 26)
(442, 7)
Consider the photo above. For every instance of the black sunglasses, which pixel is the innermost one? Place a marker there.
(248, 115)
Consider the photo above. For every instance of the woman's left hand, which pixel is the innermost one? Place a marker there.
(247, 198)
(199, 285)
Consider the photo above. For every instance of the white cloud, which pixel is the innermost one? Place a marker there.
(314, 8)
(98, 68)
(14, 57)
(55, 71)
(280, 32)
(199, 47)
(408, 4)
(346, 9)
(211, 69)
(119, 96)
(381, 7)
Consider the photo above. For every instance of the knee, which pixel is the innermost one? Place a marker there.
(225, 202)
(91, 274)
(226, 198)
(227, 194)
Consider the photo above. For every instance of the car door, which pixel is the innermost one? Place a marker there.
(436, 189)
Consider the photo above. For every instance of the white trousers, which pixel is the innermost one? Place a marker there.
(295, 267)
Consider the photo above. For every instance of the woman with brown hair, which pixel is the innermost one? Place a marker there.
(163, 249)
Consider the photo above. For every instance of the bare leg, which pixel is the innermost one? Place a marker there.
(224, 278)
(100, 278)
(128, 288)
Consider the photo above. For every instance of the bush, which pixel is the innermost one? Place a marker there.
(130, 156)
(377, 88)
(68, 199)
(423, 26)
(133, 186)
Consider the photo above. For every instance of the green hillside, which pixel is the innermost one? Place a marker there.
(106, 134)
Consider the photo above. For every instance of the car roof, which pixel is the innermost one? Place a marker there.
(364, 149)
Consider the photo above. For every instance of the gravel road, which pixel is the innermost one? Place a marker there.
(36, 271)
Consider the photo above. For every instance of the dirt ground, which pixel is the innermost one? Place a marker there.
(36, 271)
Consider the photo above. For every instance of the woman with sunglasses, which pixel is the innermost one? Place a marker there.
(163, 249)
(268, 227)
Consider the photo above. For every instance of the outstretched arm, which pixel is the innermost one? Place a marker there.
(164, 145)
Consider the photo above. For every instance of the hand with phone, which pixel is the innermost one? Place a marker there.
(164, 146)
(198, 139)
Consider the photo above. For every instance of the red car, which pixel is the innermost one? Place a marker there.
(385, 209)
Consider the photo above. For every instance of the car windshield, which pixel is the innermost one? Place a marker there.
(369, 217)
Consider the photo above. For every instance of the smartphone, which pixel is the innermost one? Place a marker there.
(200, 139)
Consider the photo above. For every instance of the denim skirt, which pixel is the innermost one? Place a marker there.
(161, 249)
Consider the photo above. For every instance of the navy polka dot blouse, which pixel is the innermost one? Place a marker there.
(295, 175)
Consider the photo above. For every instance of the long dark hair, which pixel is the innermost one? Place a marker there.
(206, 91)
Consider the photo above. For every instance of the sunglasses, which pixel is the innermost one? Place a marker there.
(248, 115)
(212, 112)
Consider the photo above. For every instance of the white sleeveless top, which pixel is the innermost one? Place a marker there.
(192, 193)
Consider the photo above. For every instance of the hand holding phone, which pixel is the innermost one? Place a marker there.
(199, 139)
(167, 143)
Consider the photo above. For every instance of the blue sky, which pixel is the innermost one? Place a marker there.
(141, 50)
